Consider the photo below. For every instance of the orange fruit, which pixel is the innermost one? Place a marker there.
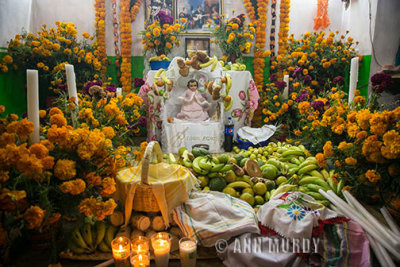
(170, 119)
(160, 83)
(227, 98)
(223, 79)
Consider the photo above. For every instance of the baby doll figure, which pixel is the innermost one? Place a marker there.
(194, 105)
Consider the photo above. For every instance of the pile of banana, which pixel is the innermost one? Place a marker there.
(88, 238)
(212, 62)
(161, 80)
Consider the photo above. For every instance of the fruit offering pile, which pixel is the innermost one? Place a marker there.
(235, 67)
(96, 237)
(258, 174)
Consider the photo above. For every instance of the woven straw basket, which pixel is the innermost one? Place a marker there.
(144, 198)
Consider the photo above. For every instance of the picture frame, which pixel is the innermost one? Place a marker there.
(201, 15)
(196, 44)
(152, 7)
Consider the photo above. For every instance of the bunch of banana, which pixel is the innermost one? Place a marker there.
(204, 165)
(212, 62)
(88, 238)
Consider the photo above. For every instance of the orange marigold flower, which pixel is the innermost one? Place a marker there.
(328, 149)
(373, 176)
(65, 169)
(58, 119)
(350, 161)
(321, 159)
(34, 216)
(74, 187)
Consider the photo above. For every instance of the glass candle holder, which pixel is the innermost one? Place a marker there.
(140, 245)
(141, 260)
(121, 247)
(161, 243)
(188, 252)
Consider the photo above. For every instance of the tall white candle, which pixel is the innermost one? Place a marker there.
(353, 214)
(353, 78)
(371, 219)
(390, 221)
(71, 82)
(119, 91)
(161, 249)
(32, 78)
(286, 90)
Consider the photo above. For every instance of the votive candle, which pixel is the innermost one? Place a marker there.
(121, 251)
(161, 244)
(141, 260)
(187, 252)
(140, 245)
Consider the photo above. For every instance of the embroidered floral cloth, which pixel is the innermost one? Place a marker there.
(294, 215)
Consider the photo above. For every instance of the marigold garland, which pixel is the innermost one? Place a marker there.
(116, 37)
(135, 10)
(284, 26)
(273, 27)
(100, 26)
(126, 43)
(321, 20)
(259, 62)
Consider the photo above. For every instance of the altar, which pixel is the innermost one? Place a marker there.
(245, 101)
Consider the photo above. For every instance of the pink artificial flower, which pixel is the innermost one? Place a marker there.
(237, 113)
(242, 95)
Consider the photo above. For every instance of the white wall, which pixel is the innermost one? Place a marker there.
(15, 14)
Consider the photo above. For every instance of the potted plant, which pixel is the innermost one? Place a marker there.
(234, 37)
(159, 38)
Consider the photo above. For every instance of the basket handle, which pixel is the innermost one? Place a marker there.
(153, 146)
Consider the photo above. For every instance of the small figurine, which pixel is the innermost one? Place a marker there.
(194, 105)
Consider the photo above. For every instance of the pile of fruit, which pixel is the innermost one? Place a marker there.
(258, 174)
(234, 66)
(92, 237)
(159, 58)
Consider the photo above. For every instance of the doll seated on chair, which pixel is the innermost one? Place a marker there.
(194, 105)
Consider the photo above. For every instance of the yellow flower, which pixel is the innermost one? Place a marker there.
(65, 169)
(328, 149)
(351, 161)
(373, 176)
(108, 132)
(58, 119)
(108, 186)
(39, 150)
(321, 160)
(74, 187)
(391, 148)
(34, 216)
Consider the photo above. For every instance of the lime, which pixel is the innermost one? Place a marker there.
(230, 176)
(253, 156)
(203, 181)
(259, 200)
(280, 179)
(206, 188)
(249, 191)
(260, 188)
(248, 198)
(270, 185)
(269, 172)
(181, 150)
(223, 158)
(217, 184)
(230, 191)
(243, 161)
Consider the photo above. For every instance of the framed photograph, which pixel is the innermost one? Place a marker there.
(197, 44)
(154, 6)
(201, 15)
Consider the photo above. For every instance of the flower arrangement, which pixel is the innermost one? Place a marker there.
(361, 143)
(69, 173)
(160, 36)
(50, 50)
(234, 37)
(318, 56)
(284, 27)
(119, 117)
(100, 16)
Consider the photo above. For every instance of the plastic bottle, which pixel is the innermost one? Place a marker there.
(228, 142)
